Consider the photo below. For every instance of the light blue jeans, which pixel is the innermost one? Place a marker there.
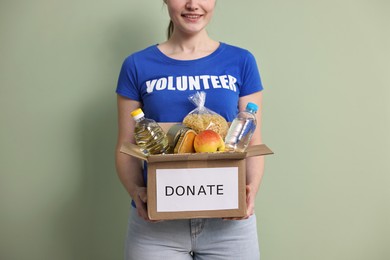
(200, 239)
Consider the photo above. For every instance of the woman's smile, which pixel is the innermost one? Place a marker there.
(191, 17)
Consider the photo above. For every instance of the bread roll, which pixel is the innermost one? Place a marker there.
(181, 139)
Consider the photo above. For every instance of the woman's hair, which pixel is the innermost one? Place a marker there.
(170, 26)
(170, 29)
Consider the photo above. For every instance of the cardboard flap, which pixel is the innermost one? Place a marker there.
(256, 150)
(133, 150)
(196, 157)
(174, 157)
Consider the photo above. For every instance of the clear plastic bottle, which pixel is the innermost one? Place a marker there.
(148, 134)
(241, 130)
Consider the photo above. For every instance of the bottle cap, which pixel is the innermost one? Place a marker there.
(137, 114)
(252, 106)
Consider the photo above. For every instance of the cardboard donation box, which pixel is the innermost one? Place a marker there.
(196, 185)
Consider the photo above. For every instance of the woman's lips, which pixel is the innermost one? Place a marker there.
(192, 17)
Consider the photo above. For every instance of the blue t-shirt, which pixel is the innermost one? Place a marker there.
(163, 84)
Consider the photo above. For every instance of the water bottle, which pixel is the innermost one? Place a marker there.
(241, 130)
(149, 136)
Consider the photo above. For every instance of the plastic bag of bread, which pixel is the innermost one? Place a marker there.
(202, 118)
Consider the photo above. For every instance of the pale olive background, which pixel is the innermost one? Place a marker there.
(326, 70)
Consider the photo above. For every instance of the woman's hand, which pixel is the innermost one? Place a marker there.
(250, 204)
(140, 199)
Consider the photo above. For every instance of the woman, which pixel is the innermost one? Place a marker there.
(157, 80)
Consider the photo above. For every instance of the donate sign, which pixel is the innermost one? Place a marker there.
(196, 189)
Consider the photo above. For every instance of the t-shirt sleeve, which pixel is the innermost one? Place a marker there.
(127, 82)
(251, 76)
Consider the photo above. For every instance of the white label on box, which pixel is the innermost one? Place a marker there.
(197, 189)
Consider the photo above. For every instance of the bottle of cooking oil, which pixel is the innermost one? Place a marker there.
(148, 134)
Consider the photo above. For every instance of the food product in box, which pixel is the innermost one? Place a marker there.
(202, 118)
(209, 141)
(181, 139)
